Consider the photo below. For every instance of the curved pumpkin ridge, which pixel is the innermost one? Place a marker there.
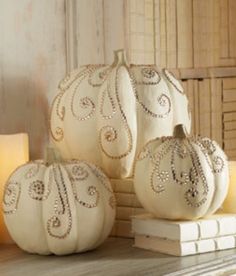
(204, 179)
(117, 141)
(220, 178)
(125, 123)
(108, 207)
(142, 185)
(181, 115)
(86, 234)
(59, 223)
(17, 220)
(96, 242)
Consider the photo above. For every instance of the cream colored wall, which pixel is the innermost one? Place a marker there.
(32, 61)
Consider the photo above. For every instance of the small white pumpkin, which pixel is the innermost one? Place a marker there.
(113, 111)
(181, 177)
(58, 207)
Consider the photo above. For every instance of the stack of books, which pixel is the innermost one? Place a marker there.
(182, 238)
(127, 206)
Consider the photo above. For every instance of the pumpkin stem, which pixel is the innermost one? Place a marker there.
(52, 155)
(180, 131)
(120, 57)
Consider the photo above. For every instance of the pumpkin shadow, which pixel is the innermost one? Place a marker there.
(24, 108)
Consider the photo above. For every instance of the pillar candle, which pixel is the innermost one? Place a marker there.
(229, 205)
(14, 151)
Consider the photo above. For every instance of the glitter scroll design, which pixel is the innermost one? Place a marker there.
(107, 93)
(101, 78)
(58, 133)
(108, 134)
(163, 101)
(78, 175)
(62, 208)
(85, 104)
(11, 197)
(208, 148)
(98, 75)
(161, 175)
(192, 179)
(60, 222)
(173, 81)
(38, 191)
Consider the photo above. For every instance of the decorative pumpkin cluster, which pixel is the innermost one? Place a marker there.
(107, 114)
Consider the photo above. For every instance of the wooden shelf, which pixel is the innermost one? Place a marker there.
(115, 257)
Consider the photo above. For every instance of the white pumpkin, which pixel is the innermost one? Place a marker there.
(181, 177)
(113, 111)
(61, 208)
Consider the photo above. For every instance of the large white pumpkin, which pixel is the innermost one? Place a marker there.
(106, 114)
(60, 208)
(181, 177)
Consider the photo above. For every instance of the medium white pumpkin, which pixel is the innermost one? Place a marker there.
(106, 114)
(62, 208)
(181, 177)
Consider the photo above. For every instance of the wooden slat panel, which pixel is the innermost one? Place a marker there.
(230, 125)
(142, 32)
(229, 116)
(227, 62)
(196, 107)
(90, 32)
(230, 144)
(199, 33)
(123, 185)
(230, 134)
(229, 83)
(216, 110)
(220, 72)
(125, 199)
(163, 32)
(232, 28)
(229, 95)
(215, 25)
(205, 108)
(114, 28)
(125, 213)
(224, 27)
(229, 107)
(171, 39)
(149, 29)
(157, 34)
(174, 34)
(204, 33)
(184, 35)
(231, 154)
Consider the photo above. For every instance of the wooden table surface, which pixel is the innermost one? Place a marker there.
(115, 257)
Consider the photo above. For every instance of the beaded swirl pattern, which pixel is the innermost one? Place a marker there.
(192, 179)
(108, 105)
(60, 222)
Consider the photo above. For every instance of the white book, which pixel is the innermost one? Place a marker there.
(177, 248)
(216, 225)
